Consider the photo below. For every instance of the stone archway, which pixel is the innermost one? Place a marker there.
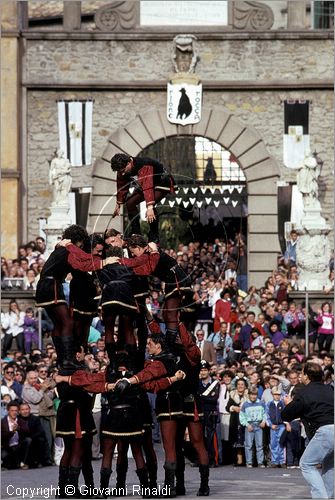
(260, 169)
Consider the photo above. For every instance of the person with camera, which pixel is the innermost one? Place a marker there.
(223, 343)
(314, 404)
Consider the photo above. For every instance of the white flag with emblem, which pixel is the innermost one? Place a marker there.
(184, 103)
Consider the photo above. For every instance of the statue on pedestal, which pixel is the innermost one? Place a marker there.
(307, 181)
(60, 178)
(313, 251)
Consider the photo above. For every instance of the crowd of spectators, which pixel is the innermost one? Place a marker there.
(252, 343)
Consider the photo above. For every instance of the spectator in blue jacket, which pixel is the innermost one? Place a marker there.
(253, 418)
(274, 420)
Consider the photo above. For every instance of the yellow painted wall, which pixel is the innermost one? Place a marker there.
(9, 142)
(9, 218)
(9, 131)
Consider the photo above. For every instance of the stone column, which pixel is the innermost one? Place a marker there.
(56, 223)
(72, 15)
(296, 14)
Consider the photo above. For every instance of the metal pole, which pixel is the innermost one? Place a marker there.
(39, 318)
(306, 324)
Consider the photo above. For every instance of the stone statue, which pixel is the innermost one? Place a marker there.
(60, 178)
(307, 181)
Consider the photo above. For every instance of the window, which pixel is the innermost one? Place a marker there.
(323, 14)
(214, 164)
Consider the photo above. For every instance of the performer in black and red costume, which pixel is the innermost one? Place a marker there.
(49, 291)
(143, 318)
(153, 183)
(75, 424)
(189, 363)
(160, 367)
(124, 409)
(147, 261)
(83, 291)
(117, 301)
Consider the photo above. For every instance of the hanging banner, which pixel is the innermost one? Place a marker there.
(296, 143)
(75, 131)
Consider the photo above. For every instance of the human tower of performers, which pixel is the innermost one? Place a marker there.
(103, 276)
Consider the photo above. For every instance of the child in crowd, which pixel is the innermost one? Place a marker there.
(257, 339)
(274, 420)
(253, 418)
(30, 330)
(325, 319)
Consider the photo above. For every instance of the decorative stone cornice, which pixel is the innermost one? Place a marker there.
(252, 16)
(117, 16)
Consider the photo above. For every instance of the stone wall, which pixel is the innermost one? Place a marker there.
(260, 109)
(147, 60)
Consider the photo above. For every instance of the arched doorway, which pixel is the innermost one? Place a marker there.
(210, 200)
(260, 169)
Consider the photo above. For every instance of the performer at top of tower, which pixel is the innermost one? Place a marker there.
(152, 184)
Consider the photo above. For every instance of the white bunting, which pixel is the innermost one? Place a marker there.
(131, 190)
(186, 203)
(171, 203)
(212, 190)
(231, 189)
(216, 203)
(226, 200)
(199, 204)
(222, 189)
(178, 200)
(208, 200)
(239, 189)
(185, 190)
(194, 190)
(203, 190)
(192, 200)
(163, 201)
(234, 203)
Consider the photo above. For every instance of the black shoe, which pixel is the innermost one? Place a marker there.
(204, 477)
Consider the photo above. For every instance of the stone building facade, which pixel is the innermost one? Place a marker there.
(262, 57)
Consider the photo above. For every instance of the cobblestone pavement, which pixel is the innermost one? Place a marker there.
(225, 482)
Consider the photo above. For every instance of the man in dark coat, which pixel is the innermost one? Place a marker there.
(16, 441)
(314, 404)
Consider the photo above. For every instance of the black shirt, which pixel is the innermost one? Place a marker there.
(314, 404)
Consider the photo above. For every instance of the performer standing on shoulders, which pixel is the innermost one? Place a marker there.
(49, 291)
(83, 291)
(153, 183)
(147, 261)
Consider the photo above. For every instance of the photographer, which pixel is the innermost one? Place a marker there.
(223, 343)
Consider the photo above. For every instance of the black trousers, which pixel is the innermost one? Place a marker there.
(8, 340)
(14, 455)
